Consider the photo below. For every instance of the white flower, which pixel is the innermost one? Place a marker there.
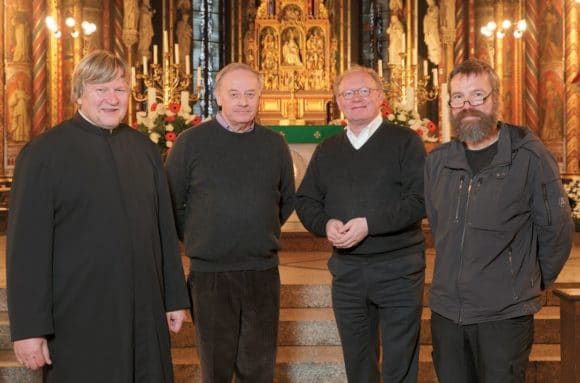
(169, 128)
(154, 137)
(169, 144)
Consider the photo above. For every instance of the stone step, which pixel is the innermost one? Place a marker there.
(316, 327)
(324, 364)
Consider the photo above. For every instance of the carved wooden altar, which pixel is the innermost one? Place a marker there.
(290, 43)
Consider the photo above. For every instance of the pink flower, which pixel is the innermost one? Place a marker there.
(170, 136)
(169, 118)
(153, 107)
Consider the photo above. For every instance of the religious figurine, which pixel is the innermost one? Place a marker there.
(291, 51)
(184, 33)
(431, 31)
(269, 52)
(21, 44)
(395, 5)
(145, 28)
(20, 122)
(315, 51)
(396, 34)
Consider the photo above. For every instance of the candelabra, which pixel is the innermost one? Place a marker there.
(403, 85)
(167, 82)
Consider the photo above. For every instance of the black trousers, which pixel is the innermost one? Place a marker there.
(236, 321)
(487, 352)
(369, 295)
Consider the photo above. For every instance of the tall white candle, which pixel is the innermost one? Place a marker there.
(198, 76)
(184, 98)
(380, 67)
(414, 56)
(435, 76)
(187, 67)
(155, 53)
(404, 44)
(176, 48)
(145, 65)
(151, 97)
(133, 77)
(425, 68)
(165, 42)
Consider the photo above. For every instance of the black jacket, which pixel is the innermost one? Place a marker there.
(501, 235)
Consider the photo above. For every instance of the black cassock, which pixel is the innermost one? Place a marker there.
(92, 255)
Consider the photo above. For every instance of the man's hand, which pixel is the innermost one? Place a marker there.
(334, 230)
(32, 353)
(354, 231)
(175, 320)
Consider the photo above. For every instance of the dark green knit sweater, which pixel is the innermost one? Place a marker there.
(231, 193)
(382, 181)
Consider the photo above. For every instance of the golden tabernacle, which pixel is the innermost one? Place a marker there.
(295, 51)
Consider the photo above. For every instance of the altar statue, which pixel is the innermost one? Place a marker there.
(431, 31)
(291, 51)
(396, 34)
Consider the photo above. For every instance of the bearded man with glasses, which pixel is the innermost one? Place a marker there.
(363, 191)
(502, 229)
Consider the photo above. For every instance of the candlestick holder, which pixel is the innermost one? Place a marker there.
(167, 82)
(404, 87)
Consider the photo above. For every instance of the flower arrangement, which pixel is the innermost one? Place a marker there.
(572, 188)
(163, 124)
(401, 115)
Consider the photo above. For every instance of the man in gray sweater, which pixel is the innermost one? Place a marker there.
(232, 185)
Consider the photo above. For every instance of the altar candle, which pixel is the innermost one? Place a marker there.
(425, 68)
(184, 98)
(133, 77)
(414, 56)
(151, 97)
(404, 43)
(165, 42)
(155, 53)
(145, 65)
(198, 76)
(435, 77)
(445, 129)
(176, 53)
(187, 67)
(380, 67)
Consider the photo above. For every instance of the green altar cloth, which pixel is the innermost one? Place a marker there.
(306, 134)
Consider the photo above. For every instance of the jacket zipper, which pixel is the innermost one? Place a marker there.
(460, 320)
(547, 203)
(461, 181)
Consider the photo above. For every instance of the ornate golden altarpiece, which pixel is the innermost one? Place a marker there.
(290, 43)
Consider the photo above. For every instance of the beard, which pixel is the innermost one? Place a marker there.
(473, 130)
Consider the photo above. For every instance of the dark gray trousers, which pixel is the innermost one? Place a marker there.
(385, 294)
(236, 321)
(495, 351)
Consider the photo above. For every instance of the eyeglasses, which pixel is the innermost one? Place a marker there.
(364, 92)
(458, 101)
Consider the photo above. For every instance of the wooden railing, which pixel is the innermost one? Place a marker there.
(569, 334)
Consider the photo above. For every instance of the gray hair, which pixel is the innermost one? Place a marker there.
(97, 67)
(236, 66)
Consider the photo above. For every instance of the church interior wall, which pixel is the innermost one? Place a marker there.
(537, 71)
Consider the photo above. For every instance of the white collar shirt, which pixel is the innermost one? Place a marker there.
(365, 134)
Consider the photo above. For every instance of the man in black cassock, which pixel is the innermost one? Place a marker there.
(93, 269)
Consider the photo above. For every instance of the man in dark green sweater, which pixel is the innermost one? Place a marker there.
(232, 185)
(363, 190)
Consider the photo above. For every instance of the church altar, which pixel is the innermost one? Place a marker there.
(306, 134)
